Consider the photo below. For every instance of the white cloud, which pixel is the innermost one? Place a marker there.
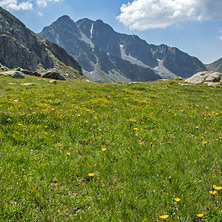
(147, 14)
(24, 4)
(16, 5)
(43, 3)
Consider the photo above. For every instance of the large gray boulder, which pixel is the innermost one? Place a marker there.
(14, 74)
(205, 77)
(28, 72)
(54, 75)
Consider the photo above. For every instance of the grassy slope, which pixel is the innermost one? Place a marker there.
(51, 138)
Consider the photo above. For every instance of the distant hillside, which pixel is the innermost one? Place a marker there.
(106, 55)
(215, 66)
(20, 47)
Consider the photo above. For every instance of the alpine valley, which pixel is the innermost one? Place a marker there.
(91, 48)
(108, 56)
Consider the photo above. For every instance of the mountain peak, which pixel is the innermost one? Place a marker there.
(64, 18)
(99, 21)
(107, 55)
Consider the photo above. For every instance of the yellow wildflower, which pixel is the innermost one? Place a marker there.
(164, 216)
(200, 215)
(68, 154)
(103, 149)
(135, 129)
(91, 174)
(213, 192)
(218, 188)
(177, 199)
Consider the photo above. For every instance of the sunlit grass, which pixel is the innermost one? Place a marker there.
(79, 151)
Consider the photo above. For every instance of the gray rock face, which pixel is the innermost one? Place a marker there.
(14, 74)
(209, 77)
(215, 66)
(53, 75)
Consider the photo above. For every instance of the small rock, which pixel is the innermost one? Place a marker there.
(28, 84)
(53, 81)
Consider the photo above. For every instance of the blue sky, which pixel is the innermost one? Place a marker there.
(193, 26)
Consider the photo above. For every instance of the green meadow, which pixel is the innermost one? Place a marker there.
(80, 151)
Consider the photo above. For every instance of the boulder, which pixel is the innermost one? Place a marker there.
(205, 77)
(14, 74)
(54, 75)
(28, 72)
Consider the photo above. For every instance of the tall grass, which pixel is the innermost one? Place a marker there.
(78, 151)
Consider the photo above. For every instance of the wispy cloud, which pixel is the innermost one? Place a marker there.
(16, 5)
(43, 3)
(24, 5)
(147, 14)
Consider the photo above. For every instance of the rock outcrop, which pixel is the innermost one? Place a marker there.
(13, 74)
(3, 68)
(28, 72)
(208, 77)
(53, 75)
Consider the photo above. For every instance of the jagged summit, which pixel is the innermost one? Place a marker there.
(106, 55)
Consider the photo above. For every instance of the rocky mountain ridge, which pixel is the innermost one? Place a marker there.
(215, 66)
(106, 55)
(20, 47)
